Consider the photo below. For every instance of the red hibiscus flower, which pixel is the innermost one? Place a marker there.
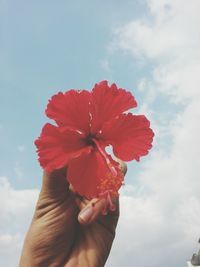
(86, 123)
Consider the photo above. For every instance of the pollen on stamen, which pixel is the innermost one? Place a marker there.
(108, 189)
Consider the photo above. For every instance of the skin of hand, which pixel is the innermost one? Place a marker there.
(66, 230)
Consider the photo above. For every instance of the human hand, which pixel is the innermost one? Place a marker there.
(67, 231)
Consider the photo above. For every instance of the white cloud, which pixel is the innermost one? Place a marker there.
(150, 234)
(16, 208)
(173, 27)
(160, 222)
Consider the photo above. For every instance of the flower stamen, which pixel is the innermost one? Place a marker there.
(104, 155)
(109, 202)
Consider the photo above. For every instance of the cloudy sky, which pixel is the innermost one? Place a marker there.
(149, 47)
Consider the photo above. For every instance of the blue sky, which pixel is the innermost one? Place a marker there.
(150, 47)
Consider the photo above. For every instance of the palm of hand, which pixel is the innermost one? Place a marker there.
(57, 239)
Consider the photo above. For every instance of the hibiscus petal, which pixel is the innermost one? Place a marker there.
(70, 109)
(91, 176)
(130, 135)
(56, 148)
(108, 102)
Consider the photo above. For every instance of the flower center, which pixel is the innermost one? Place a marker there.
(89, 140)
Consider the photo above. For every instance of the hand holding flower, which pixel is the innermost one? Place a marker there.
(73, 155)
(56, 237)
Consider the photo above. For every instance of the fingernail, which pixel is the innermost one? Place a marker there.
(86, 214)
